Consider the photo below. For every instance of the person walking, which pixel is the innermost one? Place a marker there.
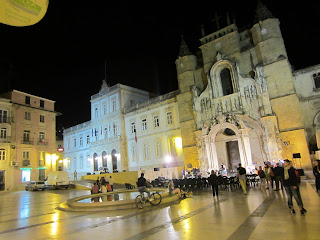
(213, 180)
(268, 175)
(241, 175)
(111, 183)
(291, 185)
(75, 175)
(278, 175)
(316, 173)
(262, 177)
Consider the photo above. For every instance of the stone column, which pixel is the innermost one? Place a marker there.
(214, 156)
(242, 153)
(247, 148)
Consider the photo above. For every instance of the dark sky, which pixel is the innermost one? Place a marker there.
(62, 57)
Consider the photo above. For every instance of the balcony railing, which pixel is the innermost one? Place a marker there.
(27, 141)
(26, 163)
(7, 139)
(6, 120)
(42, 141)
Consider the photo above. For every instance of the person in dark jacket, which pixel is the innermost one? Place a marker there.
(278, 175)
(316, 173)
(213, 180)
(291, 185)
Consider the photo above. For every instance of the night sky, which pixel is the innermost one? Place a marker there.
(62, 57)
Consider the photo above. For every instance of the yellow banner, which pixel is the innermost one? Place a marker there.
(22, 13)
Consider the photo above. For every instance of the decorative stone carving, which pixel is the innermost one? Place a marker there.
(196, 91)
(315, 105)
(221, 118)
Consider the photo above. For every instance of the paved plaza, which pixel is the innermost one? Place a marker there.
(258, 215)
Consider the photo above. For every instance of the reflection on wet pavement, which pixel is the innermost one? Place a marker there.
(33, 215)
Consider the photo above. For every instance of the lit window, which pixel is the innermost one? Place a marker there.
(2, 154)
(169, 118)
(25, 175)
(156, 121)
(144, 124)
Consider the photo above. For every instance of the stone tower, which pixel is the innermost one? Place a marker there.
(186, 64)
(271, 54)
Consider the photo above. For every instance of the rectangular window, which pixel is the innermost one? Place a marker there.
(133, 127)
(2, 154)
(74, 142)
(114, 107)
(81, 162)
(41, 104)
(145, 151)
(25, 155)
(3, 133)
(25, 175)
(134, 153)
(316, 78)
(158, 148)
(26, 136)
(156, 121)
(96, 112)
(41, 137)
(27, 115)
(88, 139)
(42, 155)
(68, 144)
(3, 116)
(27, 101)
(104, 109)
(169, 118)
(81, 141)
(42, 118)
(144, 124)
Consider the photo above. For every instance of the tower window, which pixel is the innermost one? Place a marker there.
(226, 82)
(316, 78)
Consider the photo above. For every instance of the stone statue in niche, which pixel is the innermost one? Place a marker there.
(260, 79)
(219, 107)
(195, 91)
(253, 91)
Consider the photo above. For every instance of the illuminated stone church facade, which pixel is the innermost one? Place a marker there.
(240, 102)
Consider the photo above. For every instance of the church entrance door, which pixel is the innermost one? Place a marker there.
(233, 155)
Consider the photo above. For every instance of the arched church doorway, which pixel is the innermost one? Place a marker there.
(104, 159)
(114, 160)
(95, 162)
(227, 147)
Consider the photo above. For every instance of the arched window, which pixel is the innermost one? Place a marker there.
(95, 162)
(226, 82)
(104, 159)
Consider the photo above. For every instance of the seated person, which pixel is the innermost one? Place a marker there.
(173, 190)
(95, 189)
(142, 184)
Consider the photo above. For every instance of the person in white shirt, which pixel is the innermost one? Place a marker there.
(111, 182)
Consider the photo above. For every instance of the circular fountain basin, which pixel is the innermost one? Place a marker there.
(123, 199)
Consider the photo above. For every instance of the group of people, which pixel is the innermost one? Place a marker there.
(287, 176)
(102, 185)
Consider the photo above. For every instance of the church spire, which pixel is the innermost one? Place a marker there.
(184, 50)
(262, 12)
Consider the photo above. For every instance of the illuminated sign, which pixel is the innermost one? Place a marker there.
(26, 168)
(41, 167)
(60, 149)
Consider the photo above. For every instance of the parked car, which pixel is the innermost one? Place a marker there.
(33, 185)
